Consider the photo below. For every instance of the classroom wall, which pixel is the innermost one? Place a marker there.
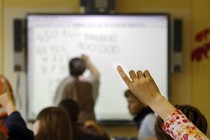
(201, 69)
(1, 36)
(191, 86)
(71, 4)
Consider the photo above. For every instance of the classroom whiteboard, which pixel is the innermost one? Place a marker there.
(132, 41)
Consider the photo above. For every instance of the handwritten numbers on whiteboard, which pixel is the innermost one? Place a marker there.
(100, 43)
(47, 35)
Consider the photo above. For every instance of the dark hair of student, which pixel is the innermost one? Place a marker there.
(72, 108)
(192, 113)
(54, 124)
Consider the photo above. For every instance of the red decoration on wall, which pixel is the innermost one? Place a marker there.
(202, 35)
(201, 52)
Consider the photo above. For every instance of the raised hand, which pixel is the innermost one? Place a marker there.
(6, 98)
(144, 88)
(5, 86)
(84, 58)
(141, 84)
(7, 103)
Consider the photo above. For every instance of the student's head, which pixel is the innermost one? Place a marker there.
(134, 105)
(71, 107)
(76, 67)
(192, 113)
(53, 123)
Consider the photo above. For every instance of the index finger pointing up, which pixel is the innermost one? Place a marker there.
(123, 75)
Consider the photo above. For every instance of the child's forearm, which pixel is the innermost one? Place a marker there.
(161, 106)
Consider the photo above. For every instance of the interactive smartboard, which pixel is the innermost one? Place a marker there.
(132, 41)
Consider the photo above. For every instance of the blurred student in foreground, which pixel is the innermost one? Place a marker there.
(17, 129)
(90, 130)
(53, 123)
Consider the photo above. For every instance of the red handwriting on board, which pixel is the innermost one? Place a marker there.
(201, 52)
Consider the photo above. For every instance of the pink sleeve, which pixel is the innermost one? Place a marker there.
(179, 127)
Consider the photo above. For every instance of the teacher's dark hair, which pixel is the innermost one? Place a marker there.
(76, 67)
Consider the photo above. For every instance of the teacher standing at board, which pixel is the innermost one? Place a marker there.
(83, 89)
